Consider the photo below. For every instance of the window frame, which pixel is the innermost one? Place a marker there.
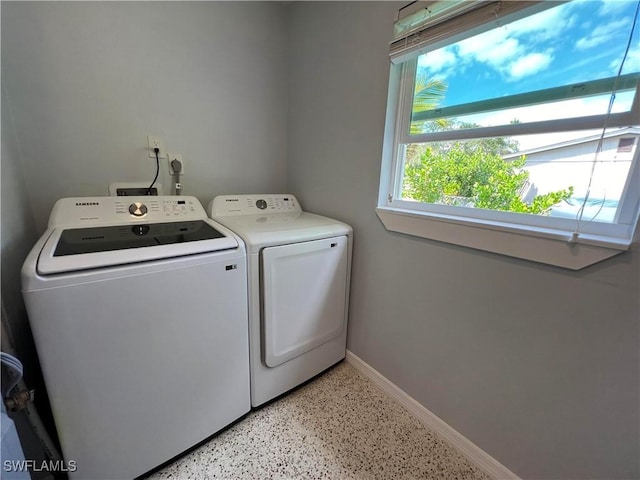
(532, 237)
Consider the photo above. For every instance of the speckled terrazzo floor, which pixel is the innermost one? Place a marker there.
(340, 426)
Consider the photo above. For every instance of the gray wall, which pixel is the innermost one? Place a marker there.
(89, 81)
(17, 232)
(537, 365)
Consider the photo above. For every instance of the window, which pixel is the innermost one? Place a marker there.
(625, 145)
(511, 127)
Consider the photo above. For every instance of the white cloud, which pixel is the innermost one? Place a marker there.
(631, 63)
(602, 34)
(494, 48)
(546, 24)
(529, 65)
(479, 45)
(589, 42)
(501, 54)
(511, 49)
(438, 60)
(612, 7)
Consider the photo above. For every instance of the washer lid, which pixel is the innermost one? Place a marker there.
(72, 249)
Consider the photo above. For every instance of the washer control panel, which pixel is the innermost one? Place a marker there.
(109, 210)
(231, 205)
(168, 207)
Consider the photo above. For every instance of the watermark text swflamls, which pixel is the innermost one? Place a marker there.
(43, 466)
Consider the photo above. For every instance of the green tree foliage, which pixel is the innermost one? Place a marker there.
(474, 174)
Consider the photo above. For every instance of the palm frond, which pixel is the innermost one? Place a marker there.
(428, 93)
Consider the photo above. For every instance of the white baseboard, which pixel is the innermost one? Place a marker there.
(472, 452)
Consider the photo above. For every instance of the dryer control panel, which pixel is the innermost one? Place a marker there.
(233, 205)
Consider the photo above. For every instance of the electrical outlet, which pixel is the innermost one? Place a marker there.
(175, 156)
(156, 142)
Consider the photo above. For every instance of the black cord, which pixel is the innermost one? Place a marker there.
(157, 150)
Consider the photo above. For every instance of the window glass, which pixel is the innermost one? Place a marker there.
(533, 78)
(625, 145)
(552, 110)
(563, 46)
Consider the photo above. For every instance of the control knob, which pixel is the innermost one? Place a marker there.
(261, 204)
(138, 209)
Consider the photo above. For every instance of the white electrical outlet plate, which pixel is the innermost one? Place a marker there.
(175, 156)
(154, 142)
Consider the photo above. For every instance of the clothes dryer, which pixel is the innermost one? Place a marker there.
(299, 268)
(139, 314)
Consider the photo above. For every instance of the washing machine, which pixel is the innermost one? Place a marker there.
(138, 310)
(299, 268)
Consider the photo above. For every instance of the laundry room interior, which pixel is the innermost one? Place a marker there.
(531, 369)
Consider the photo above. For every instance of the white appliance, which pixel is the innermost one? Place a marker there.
(138, 310)
(299, 268)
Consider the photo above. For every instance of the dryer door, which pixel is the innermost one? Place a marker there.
(304, 289)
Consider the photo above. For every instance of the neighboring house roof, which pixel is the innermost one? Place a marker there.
(576, 141)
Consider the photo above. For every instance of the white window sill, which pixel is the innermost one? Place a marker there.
(529, 243)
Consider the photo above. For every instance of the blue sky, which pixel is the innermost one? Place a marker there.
(570, 43)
